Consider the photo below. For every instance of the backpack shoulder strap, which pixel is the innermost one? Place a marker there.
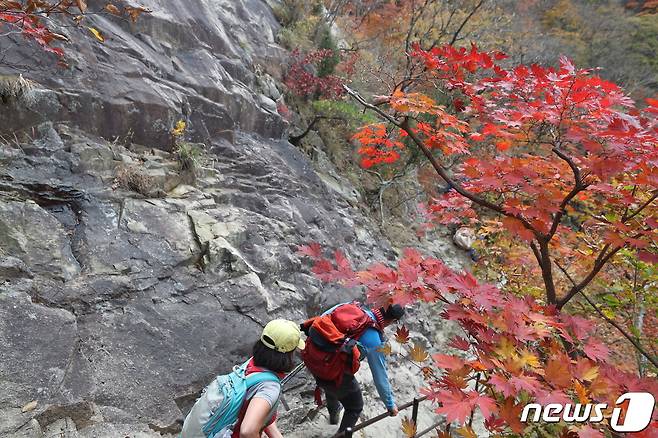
(367, 310)
(241, 370)
(261, 376)
(251, 380)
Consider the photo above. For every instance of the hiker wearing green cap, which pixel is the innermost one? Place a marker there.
(243, 404)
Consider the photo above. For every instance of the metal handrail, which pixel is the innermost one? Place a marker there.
(350, 430)
(414, 417)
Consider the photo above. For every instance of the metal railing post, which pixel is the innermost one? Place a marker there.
(349, 431)
(414, 414)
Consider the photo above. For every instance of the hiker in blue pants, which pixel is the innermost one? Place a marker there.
(367, 329)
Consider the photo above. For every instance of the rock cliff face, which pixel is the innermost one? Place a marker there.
(124, 286)
(116, 307)
(208, 61)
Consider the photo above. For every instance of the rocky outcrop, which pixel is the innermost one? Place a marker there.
(202, 61)
(131, 303)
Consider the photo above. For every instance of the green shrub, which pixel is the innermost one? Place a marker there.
(326, 41)
(190, 156)
(350, 111)
(299, 34)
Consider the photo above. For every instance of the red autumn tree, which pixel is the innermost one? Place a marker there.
(513, 351)
(556, 162)
(303, 78)
(562, 160)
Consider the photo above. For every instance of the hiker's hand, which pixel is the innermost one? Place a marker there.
(393, 411)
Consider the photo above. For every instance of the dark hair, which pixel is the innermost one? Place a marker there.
(271, 359)
(394, 312)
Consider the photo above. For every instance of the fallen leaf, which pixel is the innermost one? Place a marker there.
(97, 34)
(59, 36)
(402, 335)
(467, 432)
(418, 354)
(408, 427)
(135, 12)
(385, 349)
(112, 9)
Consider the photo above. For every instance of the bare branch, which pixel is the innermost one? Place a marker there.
(640, 208)
(600, 261)
(461, 26)
(621, 330)
(295, 139)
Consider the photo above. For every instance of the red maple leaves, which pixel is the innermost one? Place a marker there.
(31, 20)
(303, 80)
(377, 145)
(558, 158)
(517, 349)
(32, 28)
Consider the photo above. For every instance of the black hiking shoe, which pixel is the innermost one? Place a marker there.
(334, 417)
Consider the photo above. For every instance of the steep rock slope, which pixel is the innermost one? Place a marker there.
(117, 307)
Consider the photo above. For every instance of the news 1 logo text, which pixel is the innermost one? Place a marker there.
(637, 416)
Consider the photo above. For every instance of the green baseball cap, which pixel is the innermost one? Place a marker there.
(282, 335)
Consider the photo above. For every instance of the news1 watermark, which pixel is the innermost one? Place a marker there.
(637, 415)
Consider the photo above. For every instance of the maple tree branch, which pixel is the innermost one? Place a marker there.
(639, 210)
(600, 261)
(547, 272)
(461, 26)
(535, 251)
(454, 184)
(404, 125)
(565, 272)
(636, 344)
(600, 256)
(578, 187)
(370, 106)
(628, 206)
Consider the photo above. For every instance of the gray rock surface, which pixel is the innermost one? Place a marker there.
(126, 284)
(132, 303)
(117, 307)
(198, 60)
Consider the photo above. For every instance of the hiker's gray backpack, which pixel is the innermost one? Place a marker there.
(216, 411)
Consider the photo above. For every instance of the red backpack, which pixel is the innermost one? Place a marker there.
(333, 347)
